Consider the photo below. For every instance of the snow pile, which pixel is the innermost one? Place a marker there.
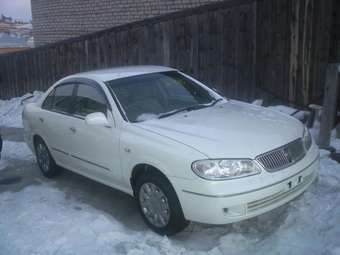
(288, 110)
(10, 110)
(146, 116)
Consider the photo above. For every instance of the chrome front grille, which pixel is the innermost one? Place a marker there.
(282, 157)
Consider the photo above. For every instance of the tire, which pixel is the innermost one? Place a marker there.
(45, 160)
(166, 197)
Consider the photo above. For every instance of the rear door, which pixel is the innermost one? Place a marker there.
(53, 122)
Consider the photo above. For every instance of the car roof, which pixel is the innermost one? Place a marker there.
(120, 72)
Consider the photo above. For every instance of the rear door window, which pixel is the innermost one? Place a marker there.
(63, 98)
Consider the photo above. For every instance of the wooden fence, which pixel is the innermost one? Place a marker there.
(274, 49)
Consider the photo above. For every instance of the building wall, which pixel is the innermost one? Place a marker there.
(61, 19)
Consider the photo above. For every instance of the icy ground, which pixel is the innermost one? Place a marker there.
(74, 215)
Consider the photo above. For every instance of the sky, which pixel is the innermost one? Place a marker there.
(17, 9)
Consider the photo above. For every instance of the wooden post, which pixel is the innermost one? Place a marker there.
(166, 43)
(329, 105)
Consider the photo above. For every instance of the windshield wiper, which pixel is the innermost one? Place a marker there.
(215, 101)
(189, 108)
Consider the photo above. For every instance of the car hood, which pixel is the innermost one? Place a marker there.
(229, 130)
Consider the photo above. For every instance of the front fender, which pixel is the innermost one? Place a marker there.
(139, 146)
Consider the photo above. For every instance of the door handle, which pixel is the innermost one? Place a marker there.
(73, 130)
(41, 120)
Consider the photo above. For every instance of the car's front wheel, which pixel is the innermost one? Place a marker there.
(45, 161)
(159, 204)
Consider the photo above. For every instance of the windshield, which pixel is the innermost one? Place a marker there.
(153, 95)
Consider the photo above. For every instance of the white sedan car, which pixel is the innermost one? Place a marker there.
(183, 151)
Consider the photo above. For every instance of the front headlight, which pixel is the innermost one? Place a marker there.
(223, 169)
(306, 139)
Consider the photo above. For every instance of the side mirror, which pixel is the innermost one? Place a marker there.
(97, 119)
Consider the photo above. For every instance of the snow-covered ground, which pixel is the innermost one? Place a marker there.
(13, 151)
(72, 215)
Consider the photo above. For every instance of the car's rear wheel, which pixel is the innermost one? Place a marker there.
(159, 204)
(45, 161)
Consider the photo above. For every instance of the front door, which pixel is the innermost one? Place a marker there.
(94, 149)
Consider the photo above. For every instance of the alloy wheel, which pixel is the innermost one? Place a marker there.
(43, 157)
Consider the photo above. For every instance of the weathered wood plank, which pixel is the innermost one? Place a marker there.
(329, 106)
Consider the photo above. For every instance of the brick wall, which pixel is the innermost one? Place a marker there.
(61, 19)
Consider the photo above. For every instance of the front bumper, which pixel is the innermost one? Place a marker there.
(227, 208)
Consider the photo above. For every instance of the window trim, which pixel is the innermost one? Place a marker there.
(76, 82)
